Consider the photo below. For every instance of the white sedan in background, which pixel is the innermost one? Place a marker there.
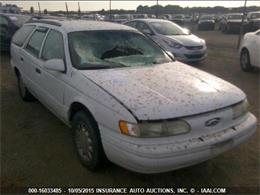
(250, 50)
(185, 46)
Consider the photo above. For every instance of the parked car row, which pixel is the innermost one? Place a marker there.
(125, 97)
(233, 22)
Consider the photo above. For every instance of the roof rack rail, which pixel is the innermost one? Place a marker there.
(44, 21)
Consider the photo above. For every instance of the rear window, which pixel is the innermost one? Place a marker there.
(21, 35)
(3, 21)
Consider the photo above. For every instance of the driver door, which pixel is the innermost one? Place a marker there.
(53, 82)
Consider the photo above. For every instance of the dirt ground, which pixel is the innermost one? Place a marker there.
(37, 148)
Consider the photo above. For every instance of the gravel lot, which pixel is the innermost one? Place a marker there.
(37, 149)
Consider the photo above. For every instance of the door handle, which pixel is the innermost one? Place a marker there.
(21, 58)
(38, 70)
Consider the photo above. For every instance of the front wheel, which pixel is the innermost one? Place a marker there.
(87, 141)
(245, 61)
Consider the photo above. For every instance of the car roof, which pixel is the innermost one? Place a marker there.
(17, 19)
(150, 20)
(69, 25)
(254, 12)
(234, 14)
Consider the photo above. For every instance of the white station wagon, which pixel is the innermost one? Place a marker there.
(126, 99)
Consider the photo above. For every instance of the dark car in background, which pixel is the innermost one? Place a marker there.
(178, 19)
(9, 24)
(231, 23)
(206, 22)
(253, 21)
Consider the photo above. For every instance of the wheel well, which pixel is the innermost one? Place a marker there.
(17, 72)
(76, 107)
(245, 49)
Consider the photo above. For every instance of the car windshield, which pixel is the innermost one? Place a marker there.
(178, 16)
(206, 18)
(255, 15)
(122, 17)
(168, 28)
(112, 49)
(235, 16)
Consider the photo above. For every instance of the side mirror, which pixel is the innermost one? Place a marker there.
(187, 31)
(55, 65)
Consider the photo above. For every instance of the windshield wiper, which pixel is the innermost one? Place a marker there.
(100, 66)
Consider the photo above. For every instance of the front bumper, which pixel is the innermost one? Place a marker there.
(186, 55)
(148, 157)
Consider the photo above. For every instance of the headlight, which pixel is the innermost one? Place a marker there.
(173, 44)
(240, 109)
(203, 41)
(156, 129)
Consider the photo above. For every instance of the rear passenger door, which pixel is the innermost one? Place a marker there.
(52, 82)
(31, 61)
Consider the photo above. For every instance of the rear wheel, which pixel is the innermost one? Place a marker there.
(245, 61)
(87, 141)
(23, 91)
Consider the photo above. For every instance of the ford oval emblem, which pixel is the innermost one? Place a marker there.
(212, 122)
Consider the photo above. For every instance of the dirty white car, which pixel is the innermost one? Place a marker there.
(249, 51)
(185, 47)
(125, 98)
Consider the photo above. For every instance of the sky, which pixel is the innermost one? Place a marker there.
(120, 4)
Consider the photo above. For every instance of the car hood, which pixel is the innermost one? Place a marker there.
(166, 91)
(211, 21)
(256, 20)
(187, 40)
(235, 20)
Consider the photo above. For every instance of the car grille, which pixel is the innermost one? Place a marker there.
(194, 56)
(194, 47)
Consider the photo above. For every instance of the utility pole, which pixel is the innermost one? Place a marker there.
(79, 9)
(39, 8)
(242, 26)
(157, 4)
(67, 10)
(110, 17)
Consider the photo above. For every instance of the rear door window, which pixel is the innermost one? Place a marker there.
(3, 26)
(35, 42)
(21, 35)
(53, 46)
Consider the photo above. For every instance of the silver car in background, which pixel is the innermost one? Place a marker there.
(185, 46)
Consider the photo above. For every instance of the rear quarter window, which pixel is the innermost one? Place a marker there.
(21, 35)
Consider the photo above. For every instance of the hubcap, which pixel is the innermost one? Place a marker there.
(84, 142)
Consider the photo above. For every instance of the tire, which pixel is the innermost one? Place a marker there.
(224, 30)
(87, 141)
(245, 61)
(23, 91)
